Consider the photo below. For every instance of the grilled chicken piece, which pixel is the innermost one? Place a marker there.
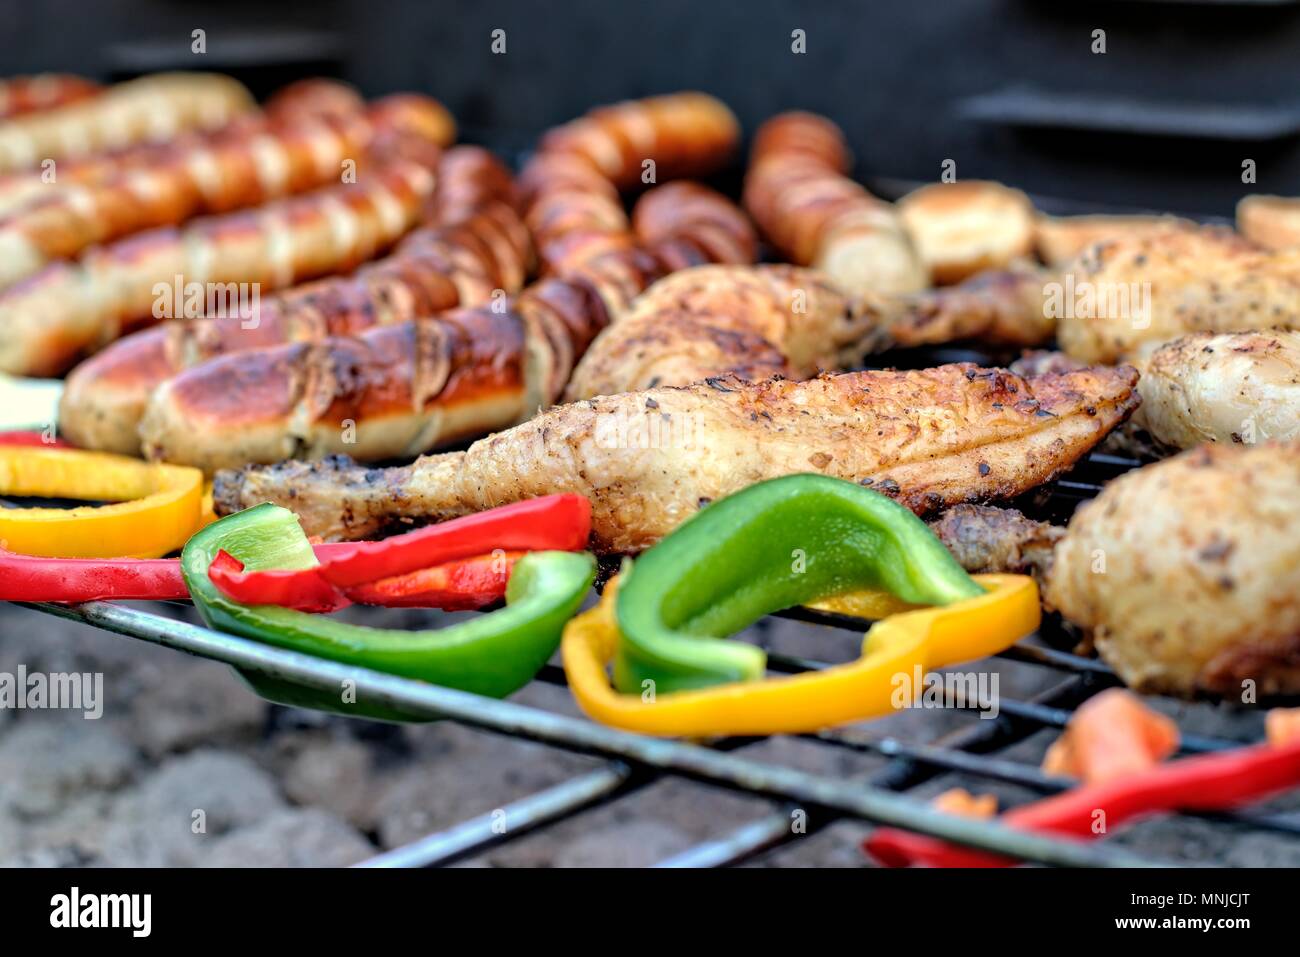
(1059, 239)
(1000, 307)
(1187, 571)
(649, 460)
(1123, 294)
(1154, 280)
(759, 321)
(984, 538)
(751, 321)
(1235, 387)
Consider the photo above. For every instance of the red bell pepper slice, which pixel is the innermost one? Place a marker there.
(1207, 782)
(302, 592)
(33, 438)
(549, 523)
(460, 585)
(74, 580)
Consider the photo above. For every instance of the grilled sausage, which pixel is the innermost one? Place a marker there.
(213, 176)
(594, 264)
(685, 134)
(43, 91)
(482, 247)
(798, 191)
(68, 309)
(403, 389)
(571, 187)
(148, 110)
(301, 102)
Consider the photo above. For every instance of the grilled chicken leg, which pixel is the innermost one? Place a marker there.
(1241, 387)
(1231, 387)
(649, 460)
(1124, 294)
(759, 321)
(751, 321)
(1116, 300)
(1185, 572)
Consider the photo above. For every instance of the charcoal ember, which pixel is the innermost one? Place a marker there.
(195, 703)
(436, 791)
(295, 837)
(337, 776)
(174, 817)
(74, 837)
(631, 844)
(47, 760)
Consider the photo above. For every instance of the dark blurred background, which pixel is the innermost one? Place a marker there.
(1008, 89)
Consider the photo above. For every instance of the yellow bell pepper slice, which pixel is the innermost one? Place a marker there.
(925, 637)
(155, 507)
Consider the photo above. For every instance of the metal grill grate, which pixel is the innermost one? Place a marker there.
(635, 761)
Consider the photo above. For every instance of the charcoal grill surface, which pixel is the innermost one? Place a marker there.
(978, 753)
(633, 761)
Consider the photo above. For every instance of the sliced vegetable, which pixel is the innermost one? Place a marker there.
(553, 522)
(37, 439)
(1282, 726)
(1110, 736)
(549, 523)
(961, 802)
(460, 585)
(74, 580)
(156, 507)
(302, 592)
(493, 654)
(926, 639)
(1209, 782)
(783, 542)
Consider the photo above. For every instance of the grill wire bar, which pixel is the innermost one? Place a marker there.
(632, 762)
(819, 795)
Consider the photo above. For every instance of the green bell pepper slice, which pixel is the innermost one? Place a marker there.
(493, 654)
(783, 542)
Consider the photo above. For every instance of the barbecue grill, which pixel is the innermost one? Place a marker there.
(632, 762)
(983, 751)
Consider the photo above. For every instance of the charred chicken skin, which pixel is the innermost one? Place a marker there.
(1185, 573)
(1123, 295)
(649, 460)
(1234, 387)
